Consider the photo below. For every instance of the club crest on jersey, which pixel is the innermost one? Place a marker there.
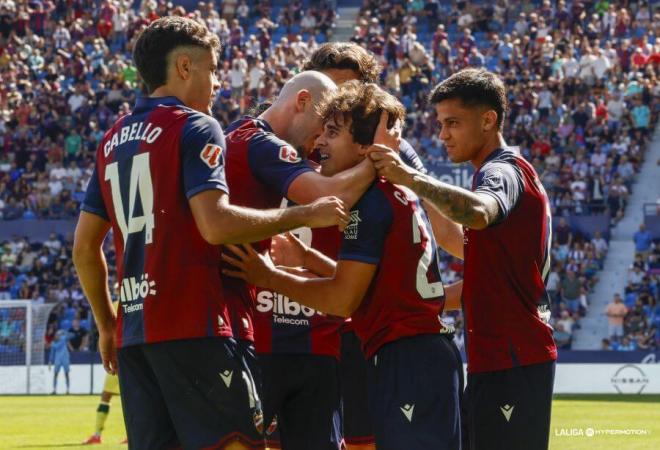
(351, 231)
(289, 155)
(211, 155)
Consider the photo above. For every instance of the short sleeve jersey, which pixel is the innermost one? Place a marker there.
(390, 229)
(505, 302)
(260, 168)
(148, 166)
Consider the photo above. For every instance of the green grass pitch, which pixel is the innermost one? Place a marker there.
(54, 422)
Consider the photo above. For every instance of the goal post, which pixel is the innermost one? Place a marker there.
(22, 346)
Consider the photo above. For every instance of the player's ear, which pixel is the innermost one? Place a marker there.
(183, 66)
(489, 120)
(303, 98)
(362, 150)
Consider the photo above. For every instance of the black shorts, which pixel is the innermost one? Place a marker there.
(510, 409)
(195, 393)
(414, 394)
(358, 428)
(301, 396)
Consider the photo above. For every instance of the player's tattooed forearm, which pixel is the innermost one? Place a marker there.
(457, 204)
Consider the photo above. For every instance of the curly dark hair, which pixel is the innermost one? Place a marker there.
(345, 55)
(156, 42)
(474, 87)
(363, 104)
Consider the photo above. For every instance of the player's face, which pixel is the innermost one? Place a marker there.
(307, 127)
(203, 82)
(336, 147)
(460, 129)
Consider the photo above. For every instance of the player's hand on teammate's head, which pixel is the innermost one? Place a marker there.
(388, 137)
(326, 212)
(248, 265)
(108, 350)
(287, 250)
(389, 165)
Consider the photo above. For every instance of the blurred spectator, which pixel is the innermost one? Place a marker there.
(615, 313)
(79, 336)
(643, 241)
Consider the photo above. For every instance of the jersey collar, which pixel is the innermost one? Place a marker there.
(146, 103)
(260, 123)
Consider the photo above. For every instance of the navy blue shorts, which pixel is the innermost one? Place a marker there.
(358, 428)
(414, 394)
(302, 404)
(510, 409)
(195, 393)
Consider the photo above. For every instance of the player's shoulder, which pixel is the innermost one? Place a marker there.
(410, 156)
(196, 121)
(503, 156)
(377, 199)
(261, 140)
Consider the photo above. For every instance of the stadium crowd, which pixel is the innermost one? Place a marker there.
(581, 79)
(634, 320)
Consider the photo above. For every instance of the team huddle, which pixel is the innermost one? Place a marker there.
(279, 280)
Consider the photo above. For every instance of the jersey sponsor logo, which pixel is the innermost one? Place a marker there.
(289, 155)
(407, 411)
(507, 410)
(134, 289)
(284, 308)
(351, 231)
(211, 155)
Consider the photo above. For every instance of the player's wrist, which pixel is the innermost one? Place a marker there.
(107, 326)
(297, 216)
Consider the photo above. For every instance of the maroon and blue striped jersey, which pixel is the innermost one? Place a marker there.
(148, 165)
(389, 228)
(286, 327)
(260, 168)
(505, 302)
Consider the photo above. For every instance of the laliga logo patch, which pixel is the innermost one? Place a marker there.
(289, 155)
(211, 155)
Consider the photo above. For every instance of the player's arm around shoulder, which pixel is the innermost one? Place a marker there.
(495, 196)
(218, 221)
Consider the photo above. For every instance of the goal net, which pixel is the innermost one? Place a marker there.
(22, 346)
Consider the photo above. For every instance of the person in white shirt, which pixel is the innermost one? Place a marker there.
(256, 75)
(598, 158)
(570, 66)
(587, 64)
(599, 243)
(615, 109)
(601, 65)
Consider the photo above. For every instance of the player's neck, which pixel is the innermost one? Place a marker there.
(165, 91)
(495, 142)
(278, 122)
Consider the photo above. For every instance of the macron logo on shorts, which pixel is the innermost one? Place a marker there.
(407, 411)
(507, 411)
(226, 377)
